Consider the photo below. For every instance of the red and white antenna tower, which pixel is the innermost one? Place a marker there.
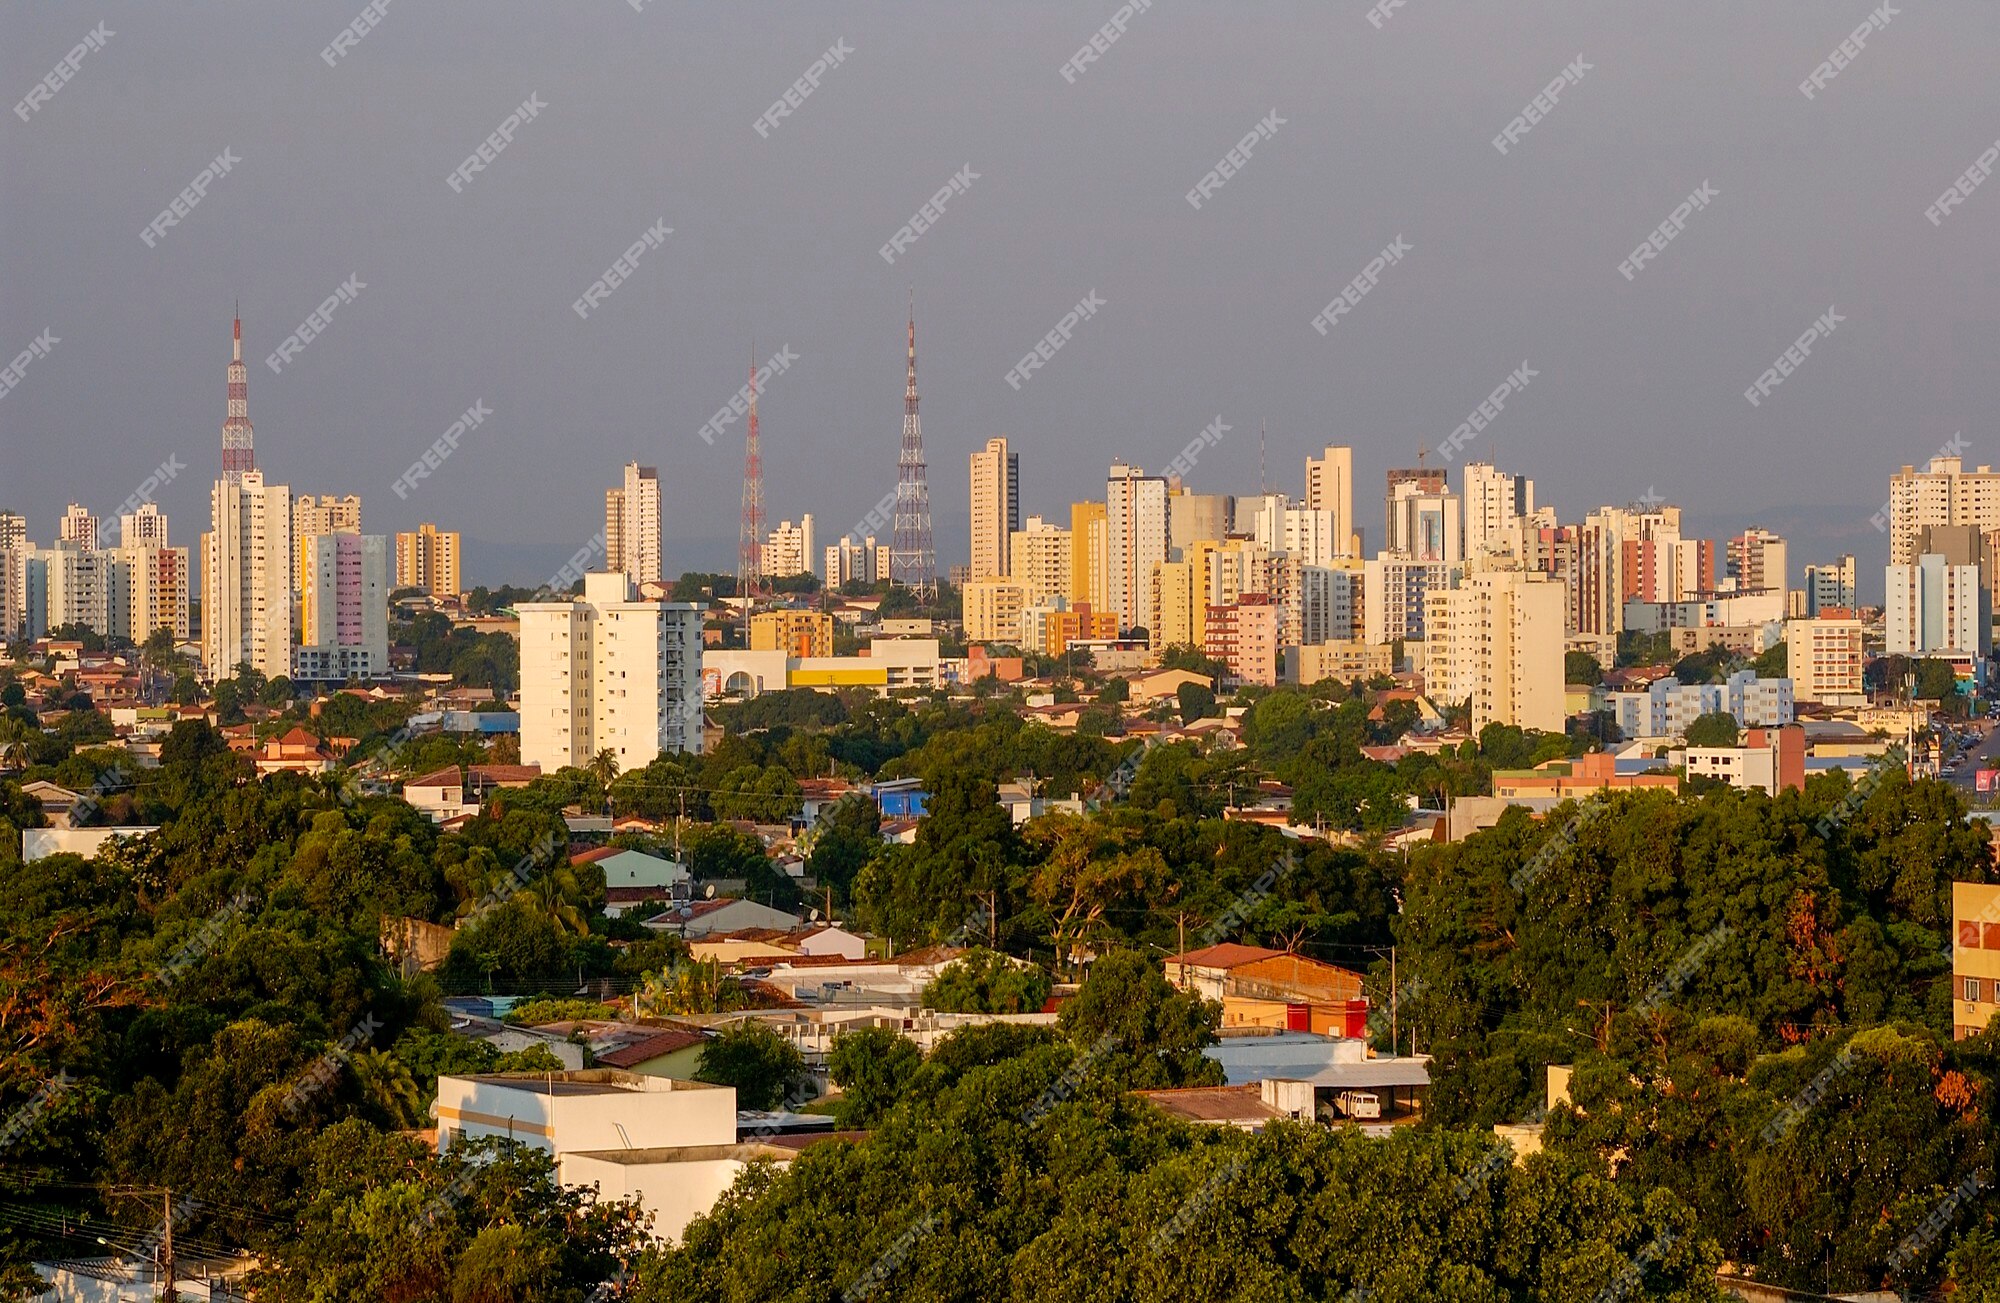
(750, 543)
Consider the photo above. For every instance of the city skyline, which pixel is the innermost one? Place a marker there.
(1651, 369)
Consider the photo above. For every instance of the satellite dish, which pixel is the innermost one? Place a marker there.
(813, 917)
(708, 892)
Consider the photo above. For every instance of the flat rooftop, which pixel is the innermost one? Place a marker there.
(589, 1081)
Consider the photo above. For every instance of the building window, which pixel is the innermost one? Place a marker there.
(1972, 989)
(1968, 935)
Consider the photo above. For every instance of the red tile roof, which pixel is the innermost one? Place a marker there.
(638, 1052)
(1227, 955)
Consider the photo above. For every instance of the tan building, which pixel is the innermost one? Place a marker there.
(996, 508)
(1975, 957)
(993, 610)
(1211, 573)
(1244, 636)
(313, 518)
(1824, 659)
(428, 559)
(798, 634)
(1497, 640)
(1330, 487)
(1038, 559)
(1345, 661)
(1175, 624)
(1943, 493)
(1050, 631)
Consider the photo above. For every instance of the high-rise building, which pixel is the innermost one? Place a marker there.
(1427, 481)
(632, 524)
(1309, 534)
(1135, 540)
(1244, 636)
(347, 591)
(993, 610)
(1088, 582)
(1937, 608)
(1824, 658)
(1426, 525)
(996, 509)
(78, 527)
(1038, 559)
(1494, 501)
(607, 672)
(146, 527)
(1197, 518)
(246, 577)
(1757, 560)
(1393, 590)
(1829, 586)
(13, 531)
(1497, 639)
(1330, 487)
(147, 590)
(789, 550)
(849, 562)
(913, 558)
(79, 585)
(429, 559)
(1943, 493)
(313, 518)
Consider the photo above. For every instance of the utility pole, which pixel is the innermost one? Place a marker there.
(1183, 950)
(1394, 991)
(168, 1293)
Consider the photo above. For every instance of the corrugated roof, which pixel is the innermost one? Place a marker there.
(1227, 955)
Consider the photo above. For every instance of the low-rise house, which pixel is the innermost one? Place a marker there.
(448, 793)
(1271, 988)
(673, 1052)
(1584, 776)
(297, 752)
(702, 918)
(623, 867)
(57, 801)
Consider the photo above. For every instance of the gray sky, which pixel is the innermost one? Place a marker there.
(1080, 186)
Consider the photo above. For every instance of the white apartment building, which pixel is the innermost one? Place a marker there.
(146, 527)
(848, 562)
(1135, 540)
(347, 594)
(1825, 659)
(1830, 587)
(1426, 525)
(996, 509)
(1493, 502)
(1943, 493)
(1313, 536)
(1758, 559)
(1497, 639)
(1317, 604)
(246, 578)
(632, 524)
(1392, 596)
(1934, 608)
(609, 672)
(789, 550)
(79, 587)
(1668, 706)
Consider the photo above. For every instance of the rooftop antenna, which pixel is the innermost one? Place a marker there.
(1263, 485)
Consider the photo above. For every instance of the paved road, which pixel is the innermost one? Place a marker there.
(1985, 754)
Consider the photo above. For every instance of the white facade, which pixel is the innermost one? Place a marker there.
(246, 588)
(1830, 587)
(147, 590)
(996, 509)
(1931, 607)
(789, 550)
(79, 527)
(608, 672)
(79, 586)
(1038, 557)
(1135, 540)
(1426, 526)
(1318, 604)
(1668, 706)
(1330, 487)
(1392, 596)
(347, 598)
(1493, 502)
(1825, 659)
(848, 562)
(146, 527)
(632, 524)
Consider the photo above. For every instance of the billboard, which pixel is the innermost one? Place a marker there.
(1986, 780)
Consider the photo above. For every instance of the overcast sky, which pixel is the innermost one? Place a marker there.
(1387, 130)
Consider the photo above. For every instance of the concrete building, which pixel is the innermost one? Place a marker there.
(607, 672)
(1668, 706)
(311, 518)
(796, 633)
(1497, 638)
(429, 559)
(1825, 657)
(1197, 518)
(889, 665)
(79, 584)
(849, 562)
(1769, 759)
(246, 577)
(1038, 559)
(1943, 493)
(1135, 540)
(1830, 586)
(147, 590)
(1330, 487)
(146, 527)
(1244, 636)
(1975, 957)
(1049, 631)
(1426, 524)
(1393, 589)
(1933, 608)
(1757, 559)
(992, 610)
(789, 549)
(996, 509)
(1493, 501)
(632, 524)
(78, 526)
(347, 595)
(1088, 581)
(1345, 661)
(1317, 604)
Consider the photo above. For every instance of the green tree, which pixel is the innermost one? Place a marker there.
(983, 981)
(1196, 701)
(1716, 728)
(1580, 667)
(762, 1065)
(873, 1066)
(1148, 1034)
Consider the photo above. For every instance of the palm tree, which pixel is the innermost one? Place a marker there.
(604, 768)
(558, 894)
